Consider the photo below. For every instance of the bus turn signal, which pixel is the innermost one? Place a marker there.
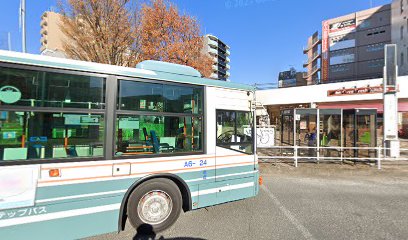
(54, 173)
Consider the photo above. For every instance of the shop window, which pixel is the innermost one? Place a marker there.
(20, 87)
(50, 135)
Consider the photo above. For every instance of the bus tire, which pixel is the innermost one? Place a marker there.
(154, 205)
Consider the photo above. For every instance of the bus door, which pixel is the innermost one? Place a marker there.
(234, 151)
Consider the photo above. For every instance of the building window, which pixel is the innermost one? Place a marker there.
(375, 32)
(402, 32)
(376, 63)
(339, 68)
(375, 47)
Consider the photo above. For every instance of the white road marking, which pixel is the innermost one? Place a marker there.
(289, 215)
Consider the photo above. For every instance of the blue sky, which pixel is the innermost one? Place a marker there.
(265, 36)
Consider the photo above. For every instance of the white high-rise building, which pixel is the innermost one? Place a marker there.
(220, 53)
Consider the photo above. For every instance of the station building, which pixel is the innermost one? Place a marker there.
(360, 94)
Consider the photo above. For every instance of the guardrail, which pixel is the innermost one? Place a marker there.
(318, 154)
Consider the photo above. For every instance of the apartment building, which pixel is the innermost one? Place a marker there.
(219, 53)
(312, 64)
(52, 37)
(399, 33)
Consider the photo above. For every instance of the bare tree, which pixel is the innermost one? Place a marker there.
(103, 31)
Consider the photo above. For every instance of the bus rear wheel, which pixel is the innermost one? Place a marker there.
(154, 205)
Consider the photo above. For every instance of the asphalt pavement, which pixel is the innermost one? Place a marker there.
(332, 202)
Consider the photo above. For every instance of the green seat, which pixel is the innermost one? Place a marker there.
(97, 152)
(15, 154)
(59, 152)
(82, 151)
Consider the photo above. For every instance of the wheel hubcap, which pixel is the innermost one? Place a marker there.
(154, 207)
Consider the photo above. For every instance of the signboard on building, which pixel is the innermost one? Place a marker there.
(287, 83)
(356, 91)
(342, 27)
(325, 51)
(288, 78)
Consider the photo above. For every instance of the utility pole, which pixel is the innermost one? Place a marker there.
(23, 25)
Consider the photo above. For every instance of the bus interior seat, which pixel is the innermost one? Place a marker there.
(97, 151)
(155, 141)
(82, 151)
(59, 152)
(15, 154)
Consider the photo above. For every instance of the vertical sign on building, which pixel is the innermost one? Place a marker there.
(325, 51)
(391, 141)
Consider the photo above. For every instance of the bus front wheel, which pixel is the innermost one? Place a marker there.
(154, 205)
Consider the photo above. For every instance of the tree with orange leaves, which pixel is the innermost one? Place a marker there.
(167, 35)
(113, 32)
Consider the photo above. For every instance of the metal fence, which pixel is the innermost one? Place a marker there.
(329, 154)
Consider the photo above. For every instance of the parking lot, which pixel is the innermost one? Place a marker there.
(325, 201)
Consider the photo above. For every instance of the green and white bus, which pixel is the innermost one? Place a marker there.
(86, 147)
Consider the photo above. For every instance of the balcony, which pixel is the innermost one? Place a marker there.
(222, 71)
(315, 56)
(212, 51)
(315, 69)
(214, 38)
(43, 31)
(43, 22)
(215, 59)
(222, 47)
(315, 42)
(228, 52)
(212, 43)
(222, 55)
(228, 60)
(215, 67)
(222, 63)
(43, 40)
(214, 76)
(228, 67)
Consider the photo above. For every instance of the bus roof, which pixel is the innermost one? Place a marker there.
(69, 64)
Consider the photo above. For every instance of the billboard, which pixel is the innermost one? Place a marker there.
(286, 75)
(342, 27)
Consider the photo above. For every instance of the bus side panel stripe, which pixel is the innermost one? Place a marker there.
(57, 215)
